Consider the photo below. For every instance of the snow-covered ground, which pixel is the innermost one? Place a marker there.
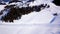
(43, 22)
(30, 29)
(2, 7)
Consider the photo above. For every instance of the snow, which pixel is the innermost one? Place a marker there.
(4, 11)
(2, 7)
(30, 29)
(43, 17)
(36, 18)
(35, 22)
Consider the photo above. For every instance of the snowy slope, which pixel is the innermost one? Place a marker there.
(42, 17)
(43, 22)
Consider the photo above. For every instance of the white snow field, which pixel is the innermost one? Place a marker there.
(30, 29)
(43, 22)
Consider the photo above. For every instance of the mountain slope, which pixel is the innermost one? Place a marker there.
(36, 12)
